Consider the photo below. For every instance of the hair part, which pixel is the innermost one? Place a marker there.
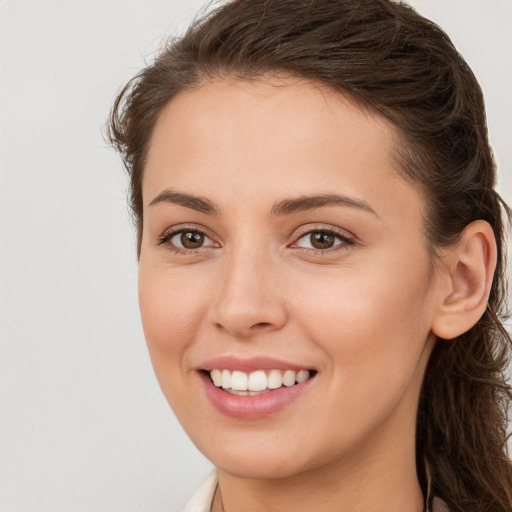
(386, 57)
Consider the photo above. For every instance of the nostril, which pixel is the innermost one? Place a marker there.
(243, 320)
(260, 325)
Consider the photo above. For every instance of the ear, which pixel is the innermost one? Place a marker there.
(467, 270)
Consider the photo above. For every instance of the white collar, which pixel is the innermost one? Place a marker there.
(203, 498)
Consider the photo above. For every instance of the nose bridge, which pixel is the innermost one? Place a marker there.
(248, 300)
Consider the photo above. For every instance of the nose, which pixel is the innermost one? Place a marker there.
(248, 300)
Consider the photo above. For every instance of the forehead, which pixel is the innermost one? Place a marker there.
(288, 135)
(300, 108)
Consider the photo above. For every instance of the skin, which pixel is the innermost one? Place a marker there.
(359, 313)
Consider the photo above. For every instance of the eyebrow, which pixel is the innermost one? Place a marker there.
(304, 203)
(285, 207)
(200, 204)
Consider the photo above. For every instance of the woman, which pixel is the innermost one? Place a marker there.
(321, 258)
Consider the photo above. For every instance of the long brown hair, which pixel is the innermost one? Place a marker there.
(384, 55)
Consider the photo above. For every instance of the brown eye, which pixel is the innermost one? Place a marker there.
(188, 240)
(191, 239)
(322, 240)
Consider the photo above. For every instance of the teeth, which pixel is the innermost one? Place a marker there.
(216, 376)
(246, 393)
(226, 379)
(257, 381)
(241, 383)
(289, 378)
(302, 375)
(274, 379)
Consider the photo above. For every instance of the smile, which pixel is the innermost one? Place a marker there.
(257, 382)
(254, 389)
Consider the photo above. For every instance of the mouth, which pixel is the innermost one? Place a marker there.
(255, 388)
(258, 382)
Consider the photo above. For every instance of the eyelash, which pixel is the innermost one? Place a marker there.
(343, 239)
(168, 236)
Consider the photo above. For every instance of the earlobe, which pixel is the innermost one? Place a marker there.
(469, 269)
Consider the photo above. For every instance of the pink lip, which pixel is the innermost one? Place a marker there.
(251, 407)
(248, 365)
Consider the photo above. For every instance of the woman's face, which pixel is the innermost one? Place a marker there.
(280, 243)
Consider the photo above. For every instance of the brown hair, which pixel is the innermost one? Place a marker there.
(389, 58)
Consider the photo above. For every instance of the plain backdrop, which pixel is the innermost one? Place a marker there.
(83, 424)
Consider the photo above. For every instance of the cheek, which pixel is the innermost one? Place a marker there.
(171, 308)
(373, 329)
(372, 321)
(171, 311)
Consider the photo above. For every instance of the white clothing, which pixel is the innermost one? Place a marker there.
(203, 498)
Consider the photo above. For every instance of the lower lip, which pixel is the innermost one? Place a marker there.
(252, 407)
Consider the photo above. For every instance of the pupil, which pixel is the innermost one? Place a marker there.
(192, 239)
(322, 240)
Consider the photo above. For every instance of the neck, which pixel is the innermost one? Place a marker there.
(379, 480)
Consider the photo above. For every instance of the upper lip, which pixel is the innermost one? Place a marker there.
(232, 363)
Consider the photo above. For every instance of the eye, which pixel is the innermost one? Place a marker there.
(186, 240)
(189, 239)
(322, 239)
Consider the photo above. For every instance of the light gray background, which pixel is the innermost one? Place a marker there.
(83, 424)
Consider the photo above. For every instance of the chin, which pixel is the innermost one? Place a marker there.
(253, 455)
(267, 466)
